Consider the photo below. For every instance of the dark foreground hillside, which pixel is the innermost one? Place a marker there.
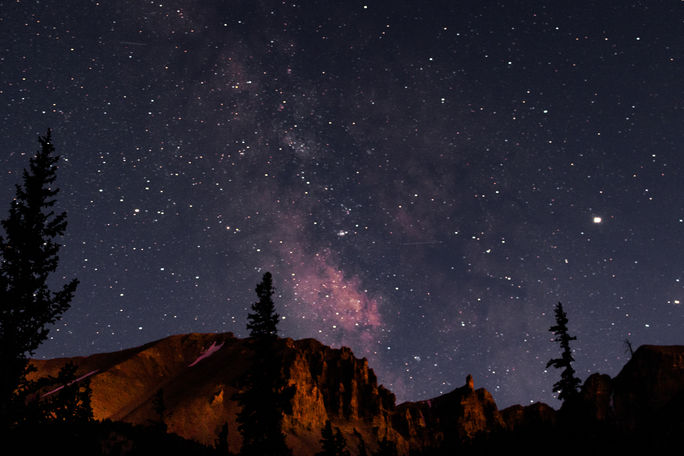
(99, 438)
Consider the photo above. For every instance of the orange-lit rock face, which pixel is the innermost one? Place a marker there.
(333, 384)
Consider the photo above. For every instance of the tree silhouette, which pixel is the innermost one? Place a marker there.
(568, 385)
(386, 448)
(362, 448)
(263, 322)
(264, 396)
(333, 443)
(159, 406)
(221, 442)
(72, 403)
(362, 444)
(28, 255)
(628, 348)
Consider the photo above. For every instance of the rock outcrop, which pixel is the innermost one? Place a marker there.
(449, 420)
(535, 416)
(649, 391)
(596, 398)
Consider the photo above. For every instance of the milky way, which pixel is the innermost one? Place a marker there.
(424, 182)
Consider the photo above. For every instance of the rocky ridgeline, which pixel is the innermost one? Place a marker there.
(647, 394)
(198, 375)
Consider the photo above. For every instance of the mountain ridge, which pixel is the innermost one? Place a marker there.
(198, 374)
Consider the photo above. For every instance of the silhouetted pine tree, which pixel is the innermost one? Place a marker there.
(386, 448)
(159, 406)
(263, 322)
(221, 443)
(28, 255)
(628, 348)
(72, 403)
(362, 448)
(333, 443)
(263, 397)
(568, 385)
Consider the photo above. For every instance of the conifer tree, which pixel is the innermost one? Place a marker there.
(28, 256)
(221, 442)
(159, 406)
(362, 448)
(263, 322)
(332, 443)
(386, 448)
(263, 397)
(628, 348)
(72, 403)
(568, 385)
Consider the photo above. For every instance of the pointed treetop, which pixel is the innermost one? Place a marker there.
(569, 384)
(263, 321)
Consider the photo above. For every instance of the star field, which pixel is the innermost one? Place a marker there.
(424, 180)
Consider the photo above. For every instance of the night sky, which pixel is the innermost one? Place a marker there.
(424, 179)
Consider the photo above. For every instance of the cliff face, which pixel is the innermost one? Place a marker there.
(196, 375)
(332, 384)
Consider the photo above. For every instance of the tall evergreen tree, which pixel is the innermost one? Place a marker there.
(361, 448)
(72, 403)
(568, 385)
(263, 397)
(221, 442)
(332, 443)
(628, 348)
(28, 255)
(263, 322)
(386, 448)
(159, 406)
